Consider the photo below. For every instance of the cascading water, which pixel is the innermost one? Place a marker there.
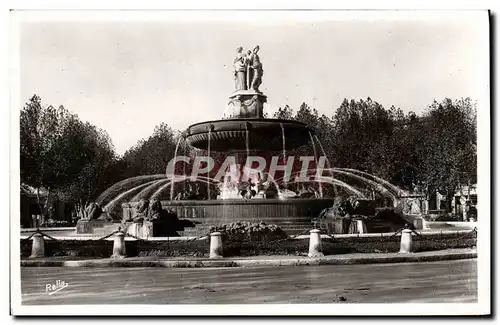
(173, 170)
(335, 182)
(151, 189)
(184, 167)
(397, 191)
(283, 137)
(376, 186)
(247, 140)
(125, 195)
(328, 162)
(284, 148)
(124, 185)
(208, 162)
(316, 161)
(157, 193)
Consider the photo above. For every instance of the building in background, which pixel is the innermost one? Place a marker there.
(465, 201)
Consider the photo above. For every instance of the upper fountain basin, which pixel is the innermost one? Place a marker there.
(263, 134)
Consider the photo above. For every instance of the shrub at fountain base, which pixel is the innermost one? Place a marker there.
(243, 231)
(56, 223)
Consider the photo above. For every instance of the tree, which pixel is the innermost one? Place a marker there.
(436, 151)
(363, 132)
(39, 131)
(406, 140)
(69, 158)
(151, 156)
(87, 158)
(285, 113)
(449, 147)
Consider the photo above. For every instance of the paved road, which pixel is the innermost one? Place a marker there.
(448, 281)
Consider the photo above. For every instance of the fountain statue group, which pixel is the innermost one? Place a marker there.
(247, 69)
(247, 101)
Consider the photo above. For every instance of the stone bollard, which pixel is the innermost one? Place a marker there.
(38, 246)
(215, 245)
(405, 241)
(315, 249)
(119, 245)
(360, 226)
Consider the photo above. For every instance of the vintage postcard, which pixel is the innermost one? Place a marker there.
(274, 162)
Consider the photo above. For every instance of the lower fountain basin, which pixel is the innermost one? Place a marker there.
(263, 134)
(293, 215)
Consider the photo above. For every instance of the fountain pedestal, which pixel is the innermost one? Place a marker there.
(147, 229)
(141, 230)
(292, 215)
(246, 104)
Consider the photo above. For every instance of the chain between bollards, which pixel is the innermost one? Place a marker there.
(111, 234)
(199, 237)
(38, 231)
(439, 241)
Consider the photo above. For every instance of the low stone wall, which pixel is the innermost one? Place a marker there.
(96, 227)
(293, 215)
(450, 225)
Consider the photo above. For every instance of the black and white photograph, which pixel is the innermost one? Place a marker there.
(250, 162)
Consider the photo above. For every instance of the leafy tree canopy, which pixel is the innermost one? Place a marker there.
(62, 154)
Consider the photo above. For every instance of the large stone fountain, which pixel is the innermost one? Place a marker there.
(160, 201)
(242, 132)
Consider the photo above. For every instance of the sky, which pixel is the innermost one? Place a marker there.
(127, 76)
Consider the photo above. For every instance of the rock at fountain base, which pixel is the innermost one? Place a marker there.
(246, 104)
(336, 226)
(147, 229)
(141, 230)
